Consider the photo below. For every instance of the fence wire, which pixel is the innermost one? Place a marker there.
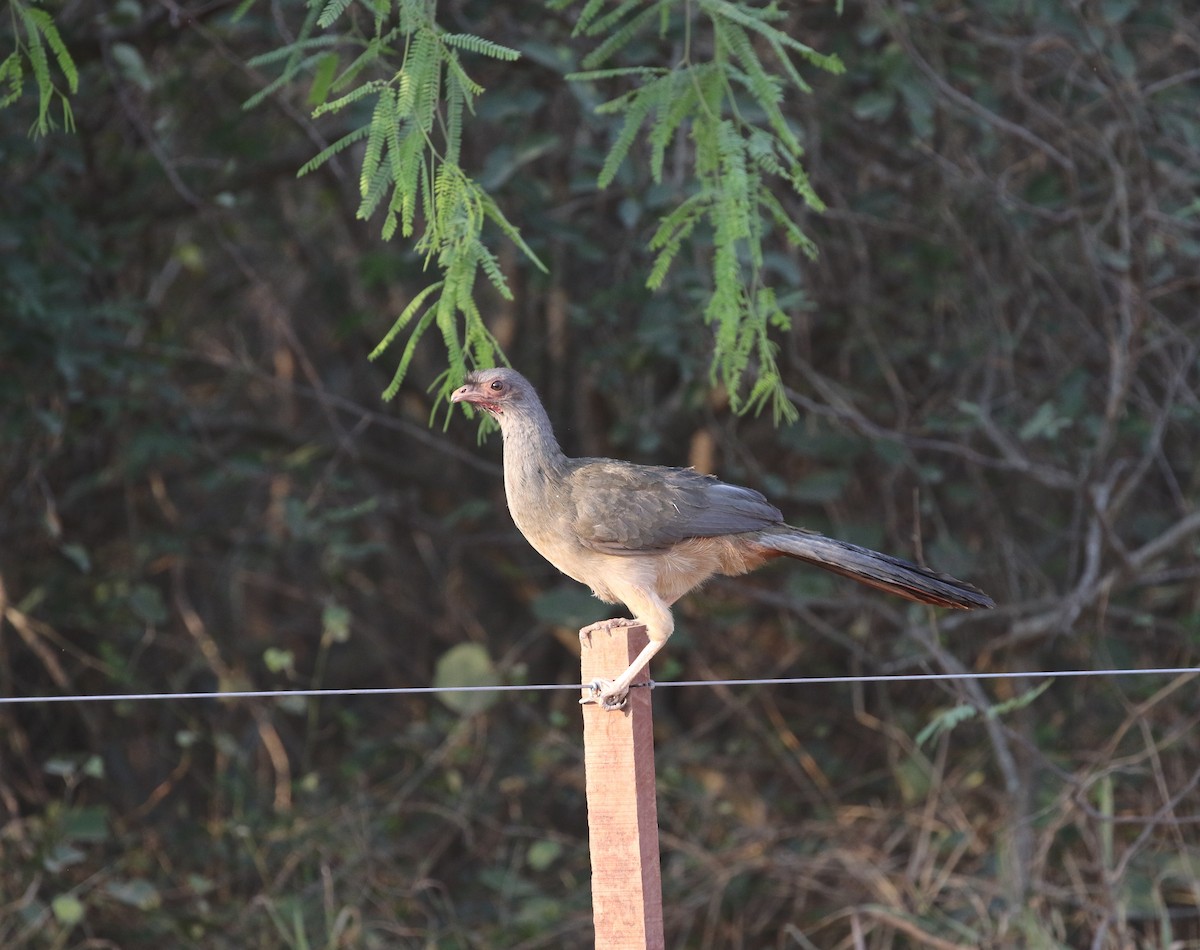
(542, 687)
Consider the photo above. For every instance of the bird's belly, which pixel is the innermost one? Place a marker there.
(684, 567)
(690, 563)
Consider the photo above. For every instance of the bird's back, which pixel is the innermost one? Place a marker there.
(624, 508)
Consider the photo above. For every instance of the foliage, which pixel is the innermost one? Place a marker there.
(948, 719)
(731, 106)
(33, 30)
(411, 158)
(995, 360)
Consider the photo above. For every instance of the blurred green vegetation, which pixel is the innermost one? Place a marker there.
(994, 356)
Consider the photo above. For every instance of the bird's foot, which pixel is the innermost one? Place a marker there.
(605, 694)
(606, 626)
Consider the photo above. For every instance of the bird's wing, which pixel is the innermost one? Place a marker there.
(622, 508)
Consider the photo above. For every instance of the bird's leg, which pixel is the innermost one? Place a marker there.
(613, 694)
(652, 613)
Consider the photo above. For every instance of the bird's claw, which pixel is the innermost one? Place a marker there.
(601, 693)
(606, 626)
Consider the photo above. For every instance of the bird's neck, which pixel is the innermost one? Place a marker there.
(532, 457)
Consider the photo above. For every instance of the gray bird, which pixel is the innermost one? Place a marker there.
(645, 535)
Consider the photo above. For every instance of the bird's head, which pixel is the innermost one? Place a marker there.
(497, 391)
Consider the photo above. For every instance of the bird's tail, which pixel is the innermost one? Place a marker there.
(892, 574)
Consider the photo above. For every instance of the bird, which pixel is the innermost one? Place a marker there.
(645, 535)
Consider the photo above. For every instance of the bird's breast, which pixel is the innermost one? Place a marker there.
(539, 512)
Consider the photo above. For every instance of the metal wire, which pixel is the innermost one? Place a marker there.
(653, 684)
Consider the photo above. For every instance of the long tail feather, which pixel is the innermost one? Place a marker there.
(883, 571)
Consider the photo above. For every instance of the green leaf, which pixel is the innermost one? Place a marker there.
(945, 721)
(331, 11)
(675, 228)
(594, 75)
(36, 53)
(355, 135)
(590, 11)
(45, 26)
(136, 892)
(62, 856)
(323, 77)
(477, 44)
(755, 20)
(493, 213)
(77, 554)
(335, 624)
(1019, 701)
(278, 660)
(11, 76)
(467, 664)
(349, 98)
(383, 118)
(68, 910)
(638, 109)
(542, 854)
(410, 348)
(1045, 423)
(88, 823)
(622, 37)
(291, 51)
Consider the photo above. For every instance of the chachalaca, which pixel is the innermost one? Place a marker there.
(645, 535)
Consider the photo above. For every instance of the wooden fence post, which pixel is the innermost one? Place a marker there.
(618, 753)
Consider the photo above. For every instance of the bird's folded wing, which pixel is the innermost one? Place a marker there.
(621, 508)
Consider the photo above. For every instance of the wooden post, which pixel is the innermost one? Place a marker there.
(618, 754)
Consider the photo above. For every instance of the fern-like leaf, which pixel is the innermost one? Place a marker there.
(44, 24)
(650, 96)
(426, 65)
(355, 135)
(477, 44)
(374, 190)
(280, 81)
(493, 213)
(733, 204)
(383, 118)
(361, 92)
(764, 87)
(468, 86)
(460, 280)
(622, 37)
(791, 230)
(375, 52)
(680, 102)
(404, 319)
(674, 229)
(591, 10)
(617, 72)
(754, 19)
(410, 350)
(413, 165)
(12, 76)
(292, 50)
(331, 11)
(491, 269)
(456, 98)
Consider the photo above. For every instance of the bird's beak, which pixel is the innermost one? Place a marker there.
(471, 395)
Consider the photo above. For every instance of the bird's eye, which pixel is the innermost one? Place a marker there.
(497, 385)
